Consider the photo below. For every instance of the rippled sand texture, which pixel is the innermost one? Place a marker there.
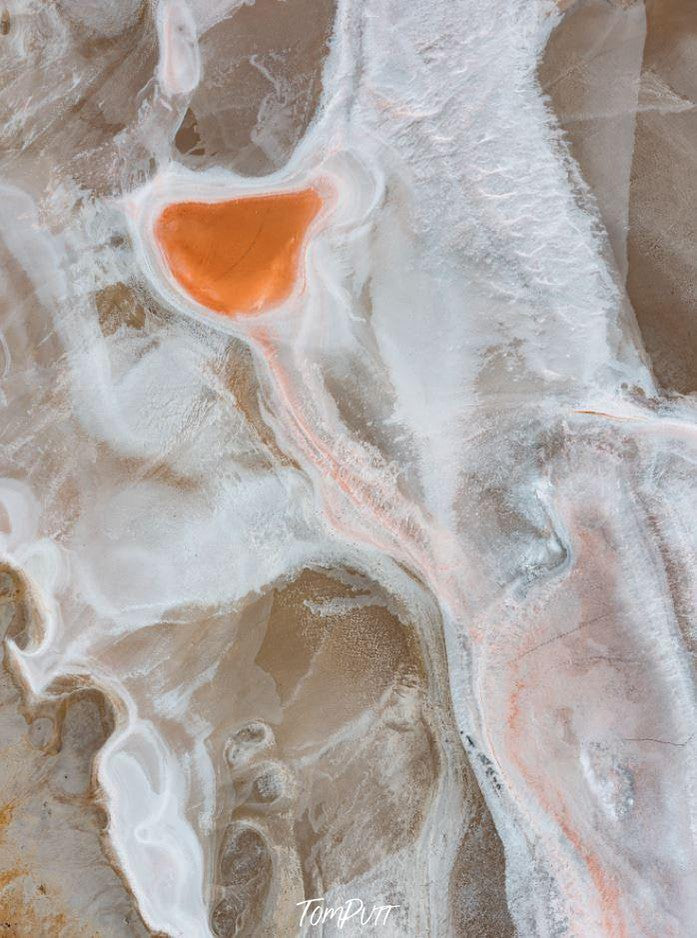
(347, 486)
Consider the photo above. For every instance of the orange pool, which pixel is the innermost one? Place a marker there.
(238, 257)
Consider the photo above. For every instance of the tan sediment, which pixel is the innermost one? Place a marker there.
(590, 71)
(86, 130)
(253, 106)
(478, 883)
(55, 878)
(651, 221)
(662, 281)
(331, 732)
(118, 306)
(237, 374)
(349, 745)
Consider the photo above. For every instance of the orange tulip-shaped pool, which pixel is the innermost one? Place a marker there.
(238, 257)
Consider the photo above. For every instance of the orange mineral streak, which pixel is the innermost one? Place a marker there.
(551, 803)
(400, 521)
(238, 257)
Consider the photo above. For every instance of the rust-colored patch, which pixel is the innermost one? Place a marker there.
(23, 918)
(7, 876)
(238, 257)
(6, 816)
